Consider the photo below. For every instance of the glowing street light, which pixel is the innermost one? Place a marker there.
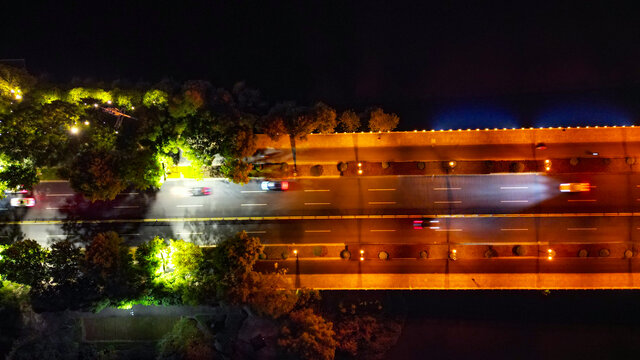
(86, 122)
(361, 255)
(74, 130)
(295, 252)
(359, 168)
(547, 165)
(550, 254)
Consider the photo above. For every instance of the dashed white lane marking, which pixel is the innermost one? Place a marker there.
(130, 234)
(448, 229)
(188, 233)
(317, 203)
(446, 188)
(381, 202)
(317, 231)
(582, 200)
(317, 190)
(578, 229)
(256, 232)
(53, 208)
(513, 187)
(514, 201)
(381, 189)
(448, 202)
(382, 230)
(253, 191)
(186, 206)
(131, 193)
(50, 236)
(59, 194)
(514, 229)
(253, 204)
(126, 207)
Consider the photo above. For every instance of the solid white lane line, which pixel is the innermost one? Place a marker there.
(126, 207)
(577, 229)
(192, 205)
(381, 189)
(445, 188)
(448, 229)
(514, 201)
(317, 190)
(448, 202)
(513, 187)
(253, 204)
(256, 232)
(317, 231)
(253, 191)
(381, 202)
(514, 229)
(591, 200)
(390, 230)
(317, 203)
(132, 193)
(59, 194)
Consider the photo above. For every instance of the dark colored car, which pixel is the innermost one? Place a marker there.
(274, 185)
(541, 146)
(200, 191)
(429, 223)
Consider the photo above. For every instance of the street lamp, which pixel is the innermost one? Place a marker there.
(547, 165)
(74, 130)
(550, 254)
(86, 122)
(359, 168)
(361, 255)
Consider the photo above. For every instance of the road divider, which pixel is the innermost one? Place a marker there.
(316, 217)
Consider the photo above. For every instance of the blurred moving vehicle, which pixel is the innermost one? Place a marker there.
(22, 198)
(575, 187)
(431, 223)
(200, 191)
(541, 146)
(274, 185)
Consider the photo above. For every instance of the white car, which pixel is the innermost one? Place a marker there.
(274, 185)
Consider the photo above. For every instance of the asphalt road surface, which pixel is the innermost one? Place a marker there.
(390, 195)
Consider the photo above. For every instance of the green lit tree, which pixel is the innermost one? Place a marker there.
(187, 342)
(23, 262)
(95, 174)
(22, 174)
(236, 170)
(233, 264)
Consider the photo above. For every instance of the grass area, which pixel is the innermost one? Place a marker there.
(177, 172)
(128, 328)
(50, 173)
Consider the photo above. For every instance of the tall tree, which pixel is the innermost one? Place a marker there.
(325, 118)
(381, 121)
(23, 262)
(21, 174)
(308, 336)
(233, 263)
(349, 121)
(95, 174)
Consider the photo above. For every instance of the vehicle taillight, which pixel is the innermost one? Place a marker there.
(285, 185)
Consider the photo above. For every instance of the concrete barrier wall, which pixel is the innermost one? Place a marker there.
(459, 137)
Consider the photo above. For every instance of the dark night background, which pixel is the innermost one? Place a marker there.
(437, 64)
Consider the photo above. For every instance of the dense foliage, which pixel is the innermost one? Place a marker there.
(108, 138)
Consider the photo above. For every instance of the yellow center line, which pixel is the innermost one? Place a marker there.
(315, 217)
